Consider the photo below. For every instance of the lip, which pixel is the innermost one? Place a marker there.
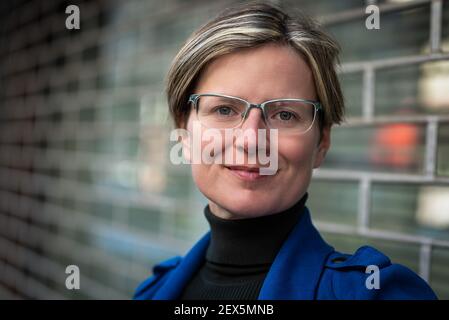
(246, 173)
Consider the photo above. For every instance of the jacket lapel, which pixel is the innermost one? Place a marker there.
(180, 276)
(297, 268)
(294, 274)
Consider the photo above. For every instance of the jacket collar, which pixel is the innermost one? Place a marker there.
(294, 274)
(297, 269)
(181, 275)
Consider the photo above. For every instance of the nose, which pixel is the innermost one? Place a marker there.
(248, 141)
(254, 119)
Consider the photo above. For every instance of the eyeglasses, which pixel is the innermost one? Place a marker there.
(224, 112)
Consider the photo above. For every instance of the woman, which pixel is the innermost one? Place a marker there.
(255, 68)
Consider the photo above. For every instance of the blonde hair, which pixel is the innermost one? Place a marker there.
(251, 25)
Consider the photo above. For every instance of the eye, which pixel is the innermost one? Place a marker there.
(285, 115)
(224, 110)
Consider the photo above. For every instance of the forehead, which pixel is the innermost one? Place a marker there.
(259, 74)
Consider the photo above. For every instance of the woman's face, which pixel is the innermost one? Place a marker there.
(259, 74)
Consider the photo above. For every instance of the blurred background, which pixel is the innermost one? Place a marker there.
(85, 176)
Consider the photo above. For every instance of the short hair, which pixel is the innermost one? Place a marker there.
(251, 25)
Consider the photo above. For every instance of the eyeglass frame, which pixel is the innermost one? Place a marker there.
(193, 98)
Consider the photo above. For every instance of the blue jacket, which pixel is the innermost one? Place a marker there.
(306, 267)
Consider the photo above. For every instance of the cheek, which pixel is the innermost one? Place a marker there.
(210, 146)
(199, 174)
(297, 153)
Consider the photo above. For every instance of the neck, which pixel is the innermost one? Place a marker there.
(250, 241)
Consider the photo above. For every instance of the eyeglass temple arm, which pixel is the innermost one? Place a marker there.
(193, 98)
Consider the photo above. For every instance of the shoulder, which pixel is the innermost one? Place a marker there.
(148, 287)
(369, 274)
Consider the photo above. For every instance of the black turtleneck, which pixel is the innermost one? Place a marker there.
(240, 254)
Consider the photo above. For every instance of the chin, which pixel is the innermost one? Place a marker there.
(248, 207)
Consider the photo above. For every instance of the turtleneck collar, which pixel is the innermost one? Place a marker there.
(252, 241)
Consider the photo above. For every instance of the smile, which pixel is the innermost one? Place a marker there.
(246, 173)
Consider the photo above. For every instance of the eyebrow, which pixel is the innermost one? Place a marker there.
(226, 99)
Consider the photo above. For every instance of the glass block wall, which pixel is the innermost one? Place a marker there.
(84, 142)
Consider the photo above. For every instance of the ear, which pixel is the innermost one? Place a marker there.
(322, 147)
